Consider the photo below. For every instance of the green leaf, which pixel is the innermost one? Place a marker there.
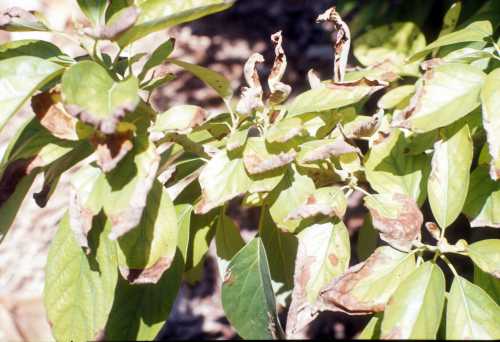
(372, 330)
(367, 286)
(95, 10)
(333, 95)
(389, 170)
(222, 179)
(139, 311)
(247, 294)
(180, 119)
(289, 194)
(16, 19)
(449, 178)
(202, 231)
(450, 19)
(394, 43)
(156, 15)
(237, 140)
(148, 249)
(21, 77)
(488, 283)
(396, 96)
(260, 157)
(483, 199)
(415, 309)
(159, 55)
(102, 102)
(397, 217)
(29, 47)
(447, 93)
(486, 255)
(228, 241)
(490, 99)
(367, 239)
(79, 288)
(471, 314)
(328, 201)
(475, 32)
(211, 78)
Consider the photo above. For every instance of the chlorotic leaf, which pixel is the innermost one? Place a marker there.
(259, 157)
(490, 95)
(328, 201)
(486, 255)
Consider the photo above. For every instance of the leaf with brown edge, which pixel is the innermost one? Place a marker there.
(279, 90)
(323, 254)
(341, 43)
(397, 218)
(53, 116)
(180, 119)
(129, 185)
(251, 96)
(260, 157)
(285, 130)
(328, 201)
(17, 19)
(323, 149)
(368, 286)
(111, 149)
(117, 25)
(364, 127)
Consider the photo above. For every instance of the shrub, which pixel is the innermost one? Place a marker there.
(151, 189)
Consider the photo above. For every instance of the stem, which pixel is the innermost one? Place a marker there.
(449, 264)
(234, 117)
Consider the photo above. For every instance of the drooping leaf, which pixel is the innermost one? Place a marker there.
(449, 178)
(17, 19)
(21, 77)
(490, 99)
(447, 93)
(279, 90)
(483, 199)
(367, 287)
(486, 255)
(292, 191)
(102, 102)
(156, 15)
(247, 294)
(222, 179)
(389, 170)
(159, 55)
(148, 249)
(328, 201)
(79, 288)
(477, 31)
(397, 217)
(259, 157)
(471, 313)
(94, 10)
(415, 309)
(180, 119)
(323, 254)
(332, 96)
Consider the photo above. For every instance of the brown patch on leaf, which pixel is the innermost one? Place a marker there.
(373, 84)
(15, 16)
(149, 275)
(111, 149)
(365, 129)
(53, 116)
(313, 208)
(279, 90)
(256, 164)
(251, 97)
(333, 259)
(341, 41)
(335, 148)
(11, 177)
(114, 30)
(433, 229)
(401, 231)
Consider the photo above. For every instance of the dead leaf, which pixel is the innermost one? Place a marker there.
(341, 41)
(254, 163)
(149, 275)
(111, 149)
(335, 148)
(279, 90)
(251, 97)
(365, 129)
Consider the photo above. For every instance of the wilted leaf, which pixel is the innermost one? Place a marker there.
(367, 287)
(477, 31)
(389, 170)
(289, 195)
(180, 119)
(148, 249)
(79, 287)
(279, 90)
(333, 95)
(318, 150)
(415, 309)
(251, 96)
(449, 178)
(159, 55)
(397, 217)
(447, 93)
(483, 199)
(222, 179)
(102, 102)
(328, 201)
(16, 19)
(323, 254)
(471, 314)
(259, 157)
(20, 78)
(490, 99)
(112, 148)
(247, 294)
(486, 255)
(396, 96)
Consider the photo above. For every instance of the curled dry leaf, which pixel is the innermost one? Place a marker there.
(330, 148)
(111, 149)
(313, 78)
(52, 115)
(341, 41)
(366, 128)
(397, 217)
(147, 275)
(17, 19)
(123, 21)
(279, 90)
(251, 97)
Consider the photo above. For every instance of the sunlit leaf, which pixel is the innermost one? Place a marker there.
(328, 201)
(180, 119)
(486, 255)
(94, 10)
(259, 157)
(17, 19)
(490, 99)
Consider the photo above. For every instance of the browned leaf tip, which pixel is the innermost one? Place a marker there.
(52, 115)
(111, 149)
(365, 129)
(251, 96)
(279, 90)
(114, 30)
(149, 275)
(401, 231)
(254, 163)
(335, 148)
(433, 229)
